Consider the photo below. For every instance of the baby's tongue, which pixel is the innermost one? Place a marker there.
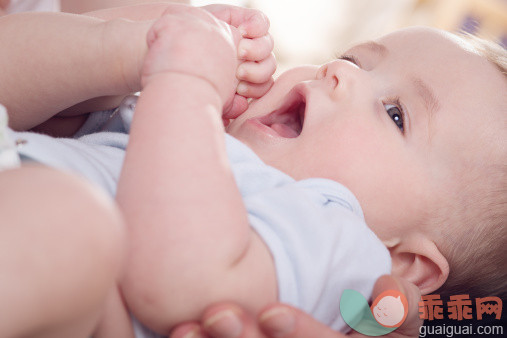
(284, 130)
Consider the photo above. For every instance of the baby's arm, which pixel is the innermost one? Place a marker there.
(177, 190)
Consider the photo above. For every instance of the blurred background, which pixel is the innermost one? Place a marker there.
(314, 31)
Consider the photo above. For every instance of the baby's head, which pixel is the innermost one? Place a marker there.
(414, 125)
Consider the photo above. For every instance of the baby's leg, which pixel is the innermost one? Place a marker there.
(115, 320)
(61, 250)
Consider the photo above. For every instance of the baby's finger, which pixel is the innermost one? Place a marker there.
(255, 49)
(257, 72)
(254, 90)
(237, 107)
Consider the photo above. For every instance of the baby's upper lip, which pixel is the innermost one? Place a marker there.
(288, 120)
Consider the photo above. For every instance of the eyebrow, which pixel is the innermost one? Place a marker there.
(424, 91)
(430, 101)
(375, 47)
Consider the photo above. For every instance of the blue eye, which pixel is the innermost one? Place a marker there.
(396, 114)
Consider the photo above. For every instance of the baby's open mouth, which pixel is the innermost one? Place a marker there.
(288, 120)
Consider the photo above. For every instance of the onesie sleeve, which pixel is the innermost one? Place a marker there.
(320, 244)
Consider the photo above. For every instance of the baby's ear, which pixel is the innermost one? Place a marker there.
(418, 260)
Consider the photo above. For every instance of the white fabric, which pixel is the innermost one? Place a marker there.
(17, 6)
(316, 233)
(8, 155)
(98, 158)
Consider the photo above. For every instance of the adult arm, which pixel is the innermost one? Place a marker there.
(54, 60)
(91, 62)
(80, 6)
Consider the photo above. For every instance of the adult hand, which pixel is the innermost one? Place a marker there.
(282, 321)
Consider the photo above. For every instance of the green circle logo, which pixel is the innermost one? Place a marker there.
(387, 312)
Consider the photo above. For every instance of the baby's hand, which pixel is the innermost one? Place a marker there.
(192, 42)
(256, 60)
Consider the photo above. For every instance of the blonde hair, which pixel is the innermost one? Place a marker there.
(478, 255)
(492, 51)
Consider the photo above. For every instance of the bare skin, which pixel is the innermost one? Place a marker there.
(75, 91)
(56, 267)
(369, 121)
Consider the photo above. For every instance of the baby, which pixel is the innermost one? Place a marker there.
(396, 122)
(261, 213)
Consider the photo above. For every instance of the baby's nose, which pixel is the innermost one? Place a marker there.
(341, 76)
(325, 73)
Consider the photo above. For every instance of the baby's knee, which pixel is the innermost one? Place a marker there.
(66, 213)
(91, 218)
(69, 238)
(96, 221)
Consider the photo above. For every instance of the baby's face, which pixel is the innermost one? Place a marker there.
(392, 120)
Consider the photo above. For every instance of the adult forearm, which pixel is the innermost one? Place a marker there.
(137, 11)
(80, 6)
(54, 60)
